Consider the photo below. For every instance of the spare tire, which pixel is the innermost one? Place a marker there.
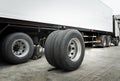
(65, 49)
(17, 48)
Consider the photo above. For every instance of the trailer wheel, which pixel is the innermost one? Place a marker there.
(103, 41)
(116, 42)
(69, 49)
(17, 48)
(108, 38)
(49, 48)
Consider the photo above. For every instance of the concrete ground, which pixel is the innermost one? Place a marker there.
(100, 64)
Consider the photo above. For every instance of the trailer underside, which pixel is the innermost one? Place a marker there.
(39, 30)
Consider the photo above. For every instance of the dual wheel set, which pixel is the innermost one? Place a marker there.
(64, 49)
(106, 41)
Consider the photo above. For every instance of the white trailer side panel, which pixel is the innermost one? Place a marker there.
(89, 14)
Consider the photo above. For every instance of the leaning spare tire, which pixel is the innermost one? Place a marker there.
(17, 48)
(68, 48)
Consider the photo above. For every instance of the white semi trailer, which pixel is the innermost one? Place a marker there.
(62, 27)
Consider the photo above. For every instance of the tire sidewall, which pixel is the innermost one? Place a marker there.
(49, 48)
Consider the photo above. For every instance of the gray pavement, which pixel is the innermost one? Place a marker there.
(100, 64)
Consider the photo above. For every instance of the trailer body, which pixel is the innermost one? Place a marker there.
(88, 14)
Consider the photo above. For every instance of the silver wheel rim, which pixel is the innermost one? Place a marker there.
(20, 48)
(74, 49)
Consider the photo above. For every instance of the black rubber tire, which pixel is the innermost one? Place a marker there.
(49, 48)
(60, 49)
(103, 40)
(116, 42)
(108, 38)
(7, 48)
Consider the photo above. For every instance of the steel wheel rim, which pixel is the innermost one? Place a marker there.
(20, 48)
(74, 49)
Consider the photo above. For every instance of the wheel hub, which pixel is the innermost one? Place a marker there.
(20, 48)
(74, 49)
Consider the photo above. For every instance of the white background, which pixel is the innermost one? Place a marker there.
(114, 4)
